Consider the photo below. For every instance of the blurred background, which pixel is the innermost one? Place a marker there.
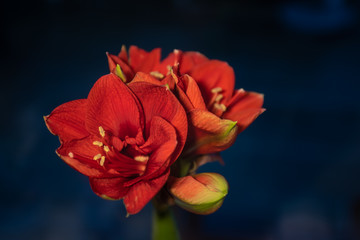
(294, 174)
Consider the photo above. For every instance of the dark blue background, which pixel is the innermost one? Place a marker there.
(293, 174)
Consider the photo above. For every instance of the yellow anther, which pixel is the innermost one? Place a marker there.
(216, 90)
(70, 154)
(98, 143)
(106, 149)
(102, 160)
(141, 158)
(97, 156)
(221, 106)
(219, 97)
(102, 131)
(168, 67)
(120, 73)
(156, 74)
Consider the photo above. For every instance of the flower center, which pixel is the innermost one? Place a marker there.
(99, 157)
(125, 156)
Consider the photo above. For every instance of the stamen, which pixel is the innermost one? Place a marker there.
(141, 158)
(157, 75)
(216, 90)
(142, 169)
(102, 131)
(219, 97)
(102, 160)
(70, 154)
(106, 149)
(97, 156)
(98, 143)
(221, 106)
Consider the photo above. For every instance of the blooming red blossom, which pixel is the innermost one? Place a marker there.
(216, 112)
(123, 137)
(216, 81)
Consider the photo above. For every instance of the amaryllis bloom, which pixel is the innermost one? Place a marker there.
(216, 112)
(216, 81)
(123, 137)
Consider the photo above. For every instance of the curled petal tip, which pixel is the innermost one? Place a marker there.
(47, 125)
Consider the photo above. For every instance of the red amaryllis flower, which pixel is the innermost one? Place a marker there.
(216, 112)
(216, 81)
(123, 137)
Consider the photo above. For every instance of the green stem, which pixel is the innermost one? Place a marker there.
(164, 227)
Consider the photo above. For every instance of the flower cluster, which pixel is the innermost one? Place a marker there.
(147, 125)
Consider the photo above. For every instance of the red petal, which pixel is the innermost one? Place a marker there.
(159, 147)
(144, 77)
(143, 61)
(161, 143)
(245, 117)
(109, 187)
(113, 106)
(123, 54)
(126, 69)
(209, 133)
(79, 155)
(213, 74)
(141, 193)
(158, 101)
(170, 80)
(192, 91)
(243, 100)
(184, 99)
(68, 120)
(189, 60)
(244, 108)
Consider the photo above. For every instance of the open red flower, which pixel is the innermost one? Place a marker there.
(216, 81)
(216, 112)
(123, 137)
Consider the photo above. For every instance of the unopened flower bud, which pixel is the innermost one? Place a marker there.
(202, 193)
